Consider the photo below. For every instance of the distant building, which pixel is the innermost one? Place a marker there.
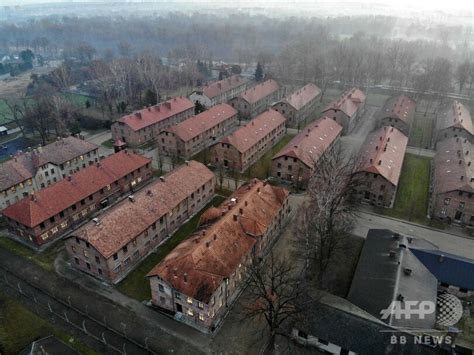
(380, 163)
(220, 92)
(398, 112)
(196, 133)
(347, 109)
(204, 274)
(145, 125)
(454, 121)
(31, 171)
(257, 99)
(117, 240)
(296, 161)
(388, 271)
(453, 181)
(49, 213)
(299, 106)
(239, 150)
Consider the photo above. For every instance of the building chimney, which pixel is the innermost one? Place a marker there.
(380, 162)
(138, 114)
(235, 218)
(69, 178)
(241, 210)
(162, 178)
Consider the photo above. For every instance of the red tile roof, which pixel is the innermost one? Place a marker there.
(154, 114)
(217, 88)
(248, 135)
(349, 102)
(216, 251)
(312, 141)
(194, 126)
(383, 152)
(24, 165)
(457, 115)
(452, 161)
(260, 91)
(401, 107)
(303, 96)
(55, 198)
(125, 221)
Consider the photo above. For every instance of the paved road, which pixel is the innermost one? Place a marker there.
(463, 246)
(98, 138)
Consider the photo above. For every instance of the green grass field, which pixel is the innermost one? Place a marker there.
(375, 99)
(136, 284)
(19, 327)
(45, 259)
(261, 169)
(421, 129)
(411, 202)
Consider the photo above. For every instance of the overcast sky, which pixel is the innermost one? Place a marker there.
(420, 4)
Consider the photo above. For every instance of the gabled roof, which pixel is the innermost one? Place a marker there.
(457, 116)
(383, 152)
(387, 270)
(260, 91)
(302, 96)
(248, 135)
(312, 141)
(24, 166)
(200, 123)
(400, 107)
(154, 114)
(349, 102)
(217, 88)
(198, 265)
(126, 220)
(48, 202)
(453, 168)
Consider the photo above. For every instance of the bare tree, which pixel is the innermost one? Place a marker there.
(327, 215)
(17, 109)
(276, 297)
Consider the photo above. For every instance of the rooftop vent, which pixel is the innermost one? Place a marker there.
(407, 271)
(162, 178)
(131, 198)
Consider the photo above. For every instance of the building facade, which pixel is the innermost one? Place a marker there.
(297, 160)
(197, 133)
(454, 121)
(220, 92)
(111, 245)
(257, 99)
(347, 109)
(299, 106)
(239, 150)
(203, 275)
(380, 165)
(398, 112)
(453, 181)
(51, 212)
(31, 171)
(145, 125)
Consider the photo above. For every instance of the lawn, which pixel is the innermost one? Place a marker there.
(375, 99)
(109, 143)
(135, 284)
(19, 327)
(411, 202)
(421, 129)
(44, 259)
(5, 113)
(261, 169)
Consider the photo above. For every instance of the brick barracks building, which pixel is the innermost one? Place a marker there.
(220, 92)
(145, 125)
(250, 142)
(299, 106)
(49, 213)
(398, 112)
(381, 160)
(453, 184)
(203, 275)
(347, 109)
(454, 121)
(197, 133)
(257, 99)
(296, 161)
(111, 245)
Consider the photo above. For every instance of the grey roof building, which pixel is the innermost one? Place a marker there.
(389, 271)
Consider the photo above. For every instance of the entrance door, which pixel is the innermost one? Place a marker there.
(179, 308)
(458, 216)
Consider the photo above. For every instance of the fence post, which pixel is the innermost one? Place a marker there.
(84, 326)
